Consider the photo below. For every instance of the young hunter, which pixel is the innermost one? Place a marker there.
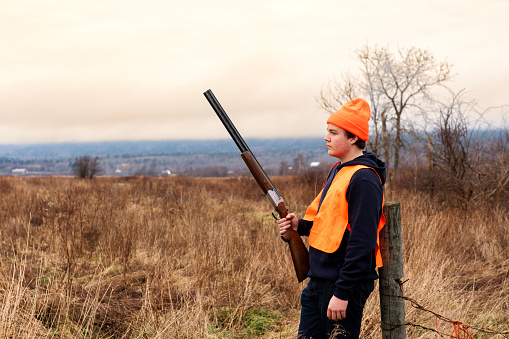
(343, 224)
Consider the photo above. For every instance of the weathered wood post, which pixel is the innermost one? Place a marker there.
(392, 308)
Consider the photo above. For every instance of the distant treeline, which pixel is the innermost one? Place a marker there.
(188, 157)
(163, 147)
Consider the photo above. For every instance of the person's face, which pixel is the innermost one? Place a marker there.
(338, 144)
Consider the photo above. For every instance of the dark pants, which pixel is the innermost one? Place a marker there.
(315, 299)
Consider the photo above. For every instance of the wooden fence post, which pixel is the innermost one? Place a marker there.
(392, 308)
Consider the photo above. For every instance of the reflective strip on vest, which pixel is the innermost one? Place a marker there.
(330, 223)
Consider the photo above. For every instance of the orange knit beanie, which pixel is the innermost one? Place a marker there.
(353, 117)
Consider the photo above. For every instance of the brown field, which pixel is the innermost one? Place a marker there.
(201, 258)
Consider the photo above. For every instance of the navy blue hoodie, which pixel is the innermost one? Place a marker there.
(354, 261)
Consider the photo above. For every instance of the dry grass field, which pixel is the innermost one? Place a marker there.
(201, 258)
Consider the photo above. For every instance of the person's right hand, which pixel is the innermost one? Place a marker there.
(285, 223)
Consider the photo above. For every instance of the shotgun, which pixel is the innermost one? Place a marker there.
(298, 250)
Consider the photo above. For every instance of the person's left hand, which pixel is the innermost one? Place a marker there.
(337, 309)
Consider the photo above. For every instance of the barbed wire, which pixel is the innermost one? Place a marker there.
(460, 330)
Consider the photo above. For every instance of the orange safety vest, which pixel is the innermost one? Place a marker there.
(330, 223)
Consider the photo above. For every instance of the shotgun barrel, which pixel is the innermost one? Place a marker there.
(298, 250)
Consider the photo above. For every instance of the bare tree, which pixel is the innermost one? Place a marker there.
(451, 150)
(467, 158)
(87, 167)
(395, 85)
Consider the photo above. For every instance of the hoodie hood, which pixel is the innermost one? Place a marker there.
(370, 159)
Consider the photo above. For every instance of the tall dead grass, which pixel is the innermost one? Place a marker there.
(201, 258)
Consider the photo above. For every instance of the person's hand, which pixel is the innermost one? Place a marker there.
(285, 223)
(337, 309)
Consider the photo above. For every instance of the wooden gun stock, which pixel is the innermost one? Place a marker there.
(299, 252)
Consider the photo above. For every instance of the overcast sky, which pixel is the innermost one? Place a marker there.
(100, 70)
